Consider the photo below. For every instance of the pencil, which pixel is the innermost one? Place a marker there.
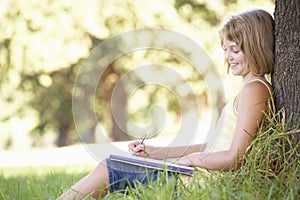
(144, 138)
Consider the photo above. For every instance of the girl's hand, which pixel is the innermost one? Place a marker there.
(138, 149)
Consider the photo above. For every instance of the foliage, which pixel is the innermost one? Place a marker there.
(44, 42)
(41, 38)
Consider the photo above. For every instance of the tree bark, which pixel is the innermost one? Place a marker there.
(63, 136)
(117, 134)
(286, 75)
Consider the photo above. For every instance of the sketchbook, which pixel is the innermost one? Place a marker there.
(153, 164)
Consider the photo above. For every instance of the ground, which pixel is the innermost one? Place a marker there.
(77, 154)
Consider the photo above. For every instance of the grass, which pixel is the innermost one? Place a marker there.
(269, 172)
(37, 183)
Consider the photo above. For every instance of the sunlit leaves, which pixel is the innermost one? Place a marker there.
(42, 43)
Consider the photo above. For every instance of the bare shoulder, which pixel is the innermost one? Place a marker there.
(257, 89)
(253, 94)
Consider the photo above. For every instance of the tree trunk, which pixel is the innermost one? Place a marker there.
(63, 136)
(286, 76)
(117, 134)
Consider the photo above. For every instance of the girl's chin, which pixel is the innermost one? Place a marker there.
(234, 72)
(234, 68)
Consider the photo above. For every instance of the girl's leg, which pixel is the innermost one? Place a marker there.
(94, 184)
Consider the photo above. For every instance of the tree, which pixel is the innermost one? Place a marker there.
(42, 46)
(38, 63)
(286, 76)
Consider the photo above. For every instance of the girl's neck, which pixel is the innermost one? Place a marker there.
(250, 77)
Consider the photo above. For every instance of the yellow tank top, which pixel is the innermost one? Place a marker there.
(225, 127)
(220, 139)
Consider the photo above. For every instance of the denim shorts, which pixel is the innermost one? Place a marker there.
(122, 175)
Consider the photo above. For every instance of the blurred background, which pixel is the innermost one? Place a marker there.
(43, 43)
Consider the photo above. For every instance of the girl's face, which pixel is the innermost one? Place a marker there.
(236, 58)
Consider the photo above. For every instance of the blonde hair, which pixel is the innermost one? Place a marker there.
(253, 32)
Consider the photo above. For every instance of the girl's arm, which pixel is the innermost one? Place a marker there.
(252, 103)
(162, 153)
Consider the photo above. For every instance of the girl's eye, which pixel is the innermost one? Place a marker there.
(235, 50)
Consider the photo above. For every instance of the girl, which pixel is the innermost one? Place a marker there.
(248, 42)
